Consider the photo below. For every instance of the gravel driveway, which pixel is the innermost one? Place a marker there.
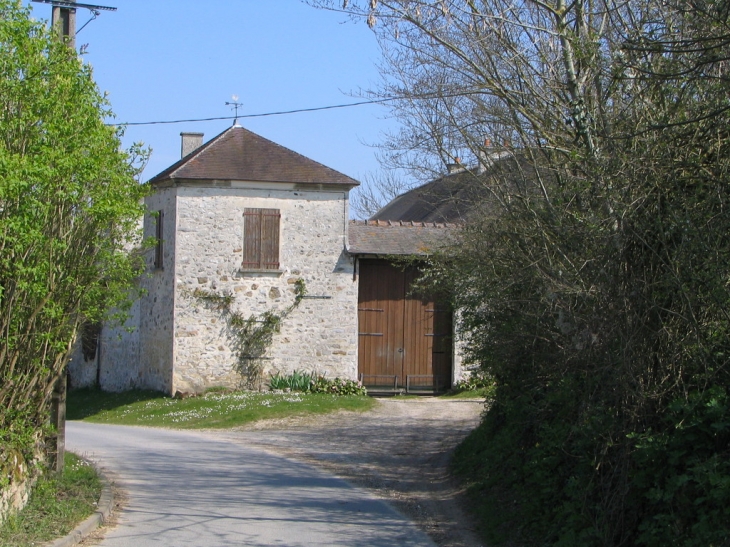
(400, 450)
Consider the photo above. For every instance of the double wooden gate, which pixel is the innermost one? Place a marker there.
(404, 339)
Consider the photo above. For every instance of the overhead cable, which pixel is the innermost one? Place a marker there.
(314, 109)
(412, 97)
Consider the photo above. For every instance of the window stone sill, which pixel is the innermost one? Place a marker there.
(259, 272)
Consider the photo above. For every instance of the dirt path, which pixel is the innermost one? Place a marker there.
(400, 450)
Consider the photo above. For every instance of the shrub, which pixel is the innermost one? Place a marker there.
(474, 382)
(683, 473)
(70, 201)
(311, 383)
(338, 386)
(296, 381)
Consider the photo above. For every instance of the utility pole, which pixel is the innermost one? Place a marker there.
(63, 17)
(63, 21)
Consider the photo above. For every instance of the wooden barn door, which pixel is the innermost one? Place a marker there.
(404, 339)
(380, 323)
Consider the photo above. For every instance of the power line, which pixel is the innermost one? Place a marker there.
(422, 96)
(279, 113)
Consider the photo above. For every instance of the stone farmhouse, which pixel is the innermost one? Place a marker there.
(242, 224)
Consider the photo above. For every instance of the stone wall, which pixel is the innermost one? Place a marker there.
(157, 306)
(14, 495)
(139, 353)
(459, 370)
(116, 364)
(319, 335)
(177, 341)
(81, 373)
(20, 478)
(118, 353)
(462, 370)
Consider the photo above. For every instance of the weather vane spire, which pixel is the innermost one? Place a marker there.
(235, 104)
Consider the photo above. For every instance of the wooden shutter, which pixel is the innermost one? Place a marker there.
(251, 239)
(159, 236)
(261, 239)
(270, 239)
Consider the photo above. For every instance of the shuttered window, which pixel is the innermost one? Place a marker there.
(261, 239)
(159, 237)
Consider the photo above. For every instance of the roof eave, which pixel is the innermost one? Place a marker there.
(375, 254)
(168, 182)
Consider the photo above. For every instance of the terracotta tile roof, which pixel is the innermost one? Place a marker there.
(241, 155)
(382, 237)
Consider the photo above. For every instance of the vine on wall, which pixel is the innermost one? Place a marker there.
(252, 336)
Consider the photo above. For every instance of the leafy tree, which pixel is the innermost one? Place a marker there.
(69, 206)
(593, 283)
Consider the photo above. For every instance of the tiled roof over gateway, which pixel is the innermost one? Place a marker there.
(238, 154)
(382, 237)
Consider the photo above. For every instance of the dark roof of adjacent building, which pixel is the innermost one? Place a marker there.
(457, 196)
(238, 154)
(421, 220)
(377, 237)
(445, 199)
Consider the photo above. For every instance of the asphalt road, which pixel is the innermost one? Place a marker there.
(187, 489)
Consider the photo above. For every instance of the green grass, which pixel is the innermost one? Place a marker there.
(56, 506)
(491, 508)
(211, 410)
(479, 393)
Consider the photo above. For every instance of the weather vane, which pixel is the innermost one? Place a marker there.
(235, 105)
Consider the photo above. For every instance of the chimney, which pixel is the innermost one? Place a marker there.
(190, 142)
(455, 167)
(484, 160)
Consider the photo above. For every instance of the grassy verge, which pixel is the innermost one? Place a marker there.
(56, 506)
(211, 410)
(479, 393)
(486, 464)
(468, 464)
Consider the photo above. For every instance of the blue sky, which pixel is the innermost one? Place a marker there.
(178, 59)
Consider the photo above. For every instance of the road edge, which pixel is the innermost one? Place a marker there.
(103, 509)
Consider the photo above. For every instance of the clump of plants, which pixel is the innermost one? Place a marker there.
(313, 383)
(474, 382)
(338, 386)
(296, 381)
(478, 384)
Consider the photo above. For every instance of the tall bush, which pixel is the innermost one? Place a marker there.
(593, 280)
(69, 205)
